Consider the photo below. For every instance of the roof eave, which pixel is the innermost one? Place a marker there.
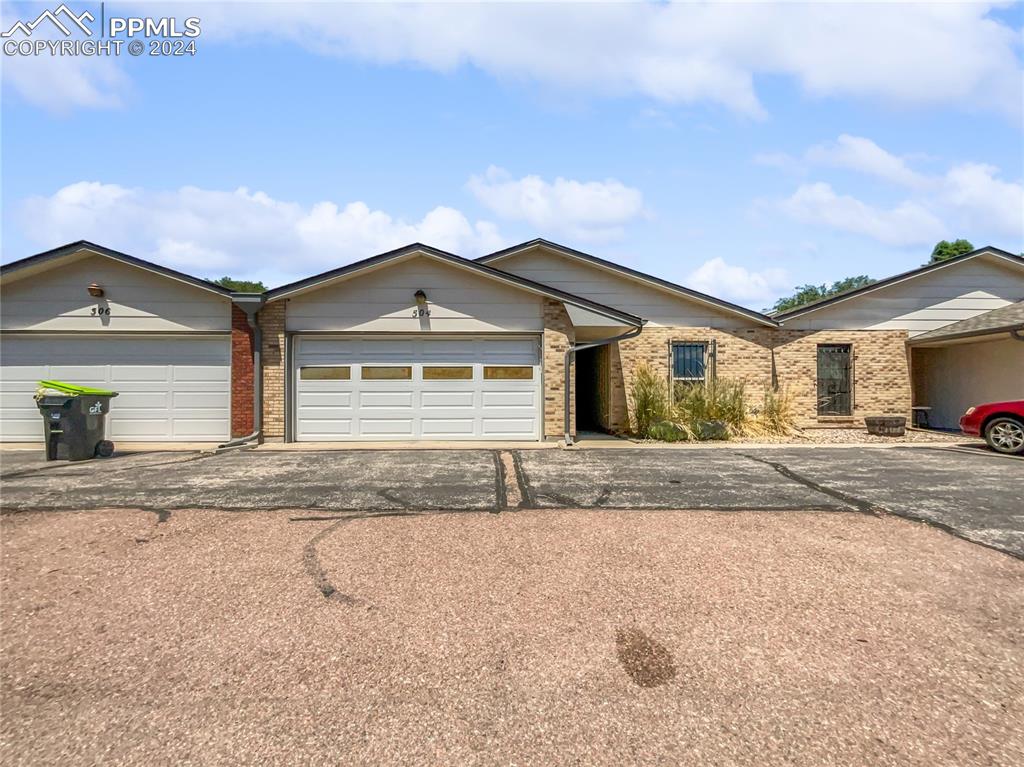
(656, 282)
(350, 270)
(988, 250)
(55, 254)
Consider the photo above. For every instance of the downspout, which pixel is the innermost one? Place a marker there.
(569, 354)
(251, 308)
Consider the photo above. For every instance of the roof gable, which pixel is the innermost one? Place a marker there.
(631, 275)
(1001, 256)
(42, 262)
(383, 260)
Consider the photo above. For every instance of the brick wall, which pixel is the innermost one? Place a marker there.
(742, 354)
(271, 319)
(558, 334)
(242, 415)
(880, 370)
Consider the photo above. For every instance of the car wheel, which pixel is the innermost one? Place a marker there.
(1005, 435)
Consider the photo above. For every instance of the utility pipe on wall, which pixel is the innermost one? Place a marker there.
(569, 354)
(257, 376)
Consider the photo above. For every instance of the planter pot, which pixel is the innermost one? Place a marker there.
(886, 425)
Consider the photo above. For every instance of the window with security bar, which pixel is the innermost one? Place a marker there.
(689, 365)
(835, 379)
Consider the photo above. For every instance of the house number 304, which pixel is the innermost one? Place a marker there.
(100, 311)
(421, 312)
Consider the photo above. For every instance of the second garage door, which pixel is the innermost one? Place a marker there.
(171, 388)
(373, 388)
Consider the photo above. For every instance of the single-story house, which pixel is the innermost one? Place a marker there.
(533, 342)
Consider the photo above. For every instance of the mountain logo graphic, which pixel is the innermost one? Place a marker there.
(55, 18)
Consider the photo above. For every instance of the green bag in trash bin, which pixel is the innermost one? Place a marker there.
(60, 387)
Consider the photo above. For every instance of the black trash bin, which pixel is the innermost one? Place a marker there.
(74, 420)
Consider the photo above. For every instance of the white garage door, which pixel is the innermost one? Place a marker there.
(171, 388)
(417, 388)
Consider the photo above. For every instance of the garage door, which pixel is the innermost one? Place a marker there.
(170, 388)
(417, 388)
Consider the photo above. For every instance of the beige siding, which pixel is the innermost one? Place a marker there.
(657, 306)
(925, 302)
(138, 300)
(951, 379)
(382, 300)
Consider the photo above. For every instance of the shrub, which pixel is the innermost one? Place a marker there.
(698, 405)
(650, 400)
(776, 415)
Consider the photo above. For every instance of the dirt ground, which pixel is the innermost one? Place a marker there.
(530, 637)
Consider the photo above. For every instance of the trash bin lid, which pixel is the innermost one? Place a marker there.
(75, 389)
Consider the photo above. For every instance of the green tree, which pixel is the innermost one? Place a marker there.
(240, 286)
(944, 249)
(806, 294)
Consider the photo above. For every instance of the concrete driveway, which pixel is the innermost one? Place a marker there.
(977, 495)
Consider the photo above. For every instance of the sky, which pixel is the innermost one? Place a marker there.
(738, 149)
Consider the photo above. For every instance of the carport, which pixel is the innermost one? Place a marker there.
(976, 360)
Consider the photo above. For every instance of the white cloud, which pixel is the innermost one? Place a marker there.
(905, 54)
(737, 283)
(60, 84)
(678, 53)
(906, 224)
(967, 197)
(587, 210)
(865, 156)
(246, 233)
(973, 190)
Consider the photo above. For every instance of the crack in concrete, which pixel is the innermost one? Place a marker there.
(500, 494)
(859, 504)
(528, 502)
(311, 556)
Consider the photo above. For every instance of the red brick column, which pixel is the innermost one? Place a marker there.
(241, 374)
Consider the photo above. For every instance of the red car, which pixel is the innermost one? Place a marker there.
(1000, 423)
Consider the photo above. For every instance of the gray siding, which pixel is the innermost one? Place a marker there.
(382, 300)
(656, 305)
(139, 300)
(925, 302)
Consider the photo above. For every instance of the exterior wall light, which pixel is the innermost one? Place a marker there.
(95, 290)
(421, 298)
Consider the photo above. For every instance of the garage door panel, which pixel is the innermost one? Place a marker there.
(501, 427)
(326, 429)
(131, 373)
(386, 399)
(140, 400)
(200, 373)
(341, 399)
(206, 400)
(454, 402)
(390, 427)
(448, 427)
(138, 428)
(501, 399)
(387, 351)
(447, 399)
(169, 388)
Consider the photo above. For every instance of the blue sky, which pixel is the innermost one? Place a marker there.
(738, 149)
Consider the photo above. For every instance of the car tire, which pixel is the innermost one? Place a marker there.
(1005, 435)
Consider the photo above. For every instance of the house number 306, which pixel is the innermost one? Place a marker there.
(100, 311)
(421, 312)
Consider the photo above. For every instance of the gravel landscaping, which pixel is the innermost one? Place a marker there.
(529, 637)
